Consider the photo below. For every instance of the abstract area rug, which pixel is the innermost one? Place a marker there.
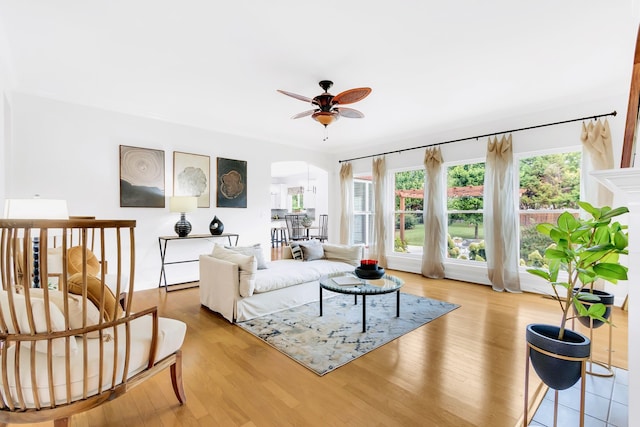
(325, 343)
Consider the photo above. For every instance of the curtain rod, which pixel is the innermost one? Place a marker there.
(613, 113)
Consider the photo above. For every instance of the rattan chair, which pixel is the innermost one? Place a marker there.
(67, 350)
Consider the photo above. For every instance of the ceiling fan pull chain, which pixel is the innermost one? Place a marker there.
(326, 133)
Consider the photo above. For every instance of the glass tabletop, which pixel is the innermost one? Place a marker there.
(349, 283)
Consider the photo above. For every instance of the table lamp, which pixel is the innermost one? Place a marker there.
(36, 209)
(183, 204)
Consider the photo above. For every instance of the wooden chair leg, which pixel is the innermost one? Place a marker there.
(62, 422)
(176, 378)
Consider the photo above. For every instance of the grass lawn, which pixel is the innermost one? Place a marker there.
(415, 236)
(466, 231)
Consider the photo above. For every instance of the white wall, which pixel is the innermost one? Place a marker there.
(71, 152)
(5, 107)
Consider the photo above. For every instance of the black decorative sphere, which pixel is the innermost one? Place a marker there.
(216, 227)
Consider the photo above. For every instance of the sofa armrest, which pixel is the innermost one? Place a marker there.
(219, 285)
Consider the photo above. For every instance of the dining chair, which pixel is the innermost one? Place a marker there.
(323, 228)
(295, 228)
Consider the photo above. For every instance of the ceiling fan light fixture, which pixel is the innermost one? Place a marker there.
(325, 117)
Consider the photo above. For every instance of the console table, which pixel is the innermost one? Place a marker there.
(162, 242)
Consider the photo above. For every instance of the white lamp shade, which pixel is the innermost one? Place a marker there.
(35, 209)
(183, 204)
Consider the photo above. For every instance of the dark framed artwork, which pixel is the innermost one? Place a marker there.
(141, 177)
(231, 183)
(191, 177)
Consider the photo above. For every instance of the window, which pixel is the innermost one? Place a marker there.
(408, 216)
(549, 185)
(465, 231)
(362, 209)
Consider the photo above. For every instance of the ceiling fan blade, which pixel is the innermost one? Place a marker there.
(295, 95)
(352, 95)
(304, 114)
(349, 113)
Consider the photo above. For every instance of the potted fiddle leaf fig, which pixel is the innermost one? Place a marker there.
(584, 250)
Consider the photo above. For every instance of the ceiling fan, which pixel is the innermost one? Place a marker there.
(329, 107)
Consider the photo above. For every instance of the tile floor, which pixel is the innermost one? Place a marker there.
(606, 403)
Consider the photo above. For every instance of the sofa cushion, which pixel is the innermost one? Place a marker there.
(247, 266)
(288, 272)
(311, 250)
(255, 250)
(351, 254)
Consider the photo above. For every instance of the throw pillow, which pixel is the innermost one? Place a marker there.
(74, 304)
(296, 251)
(311, 250)
(255, 250)
(39, 321)
(286, 253)
(351, 254)
(247, 267)
(74, 261)
(94, 293)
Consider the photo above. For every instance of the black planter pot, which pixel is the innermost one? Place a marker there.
(605, 298)
(555, 372)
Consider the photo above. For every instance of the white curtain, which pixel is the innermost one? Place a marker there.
(500, 216)
(434, 216)
(346, 198)
(596, 140)
(377, 250)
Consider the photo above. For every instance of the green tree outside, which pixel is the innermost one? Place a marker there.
(464, 176)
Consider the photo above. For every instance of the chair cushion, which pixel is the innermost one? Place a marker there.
(74, 303)
(39, 321)
(170, 337)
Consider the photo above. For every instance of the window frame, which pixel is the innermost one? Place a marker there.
(394, 212)
(517, 157)
(445, 169)
(368, 215)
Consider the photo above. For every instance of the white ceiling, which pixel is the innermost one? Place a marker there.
(217, 64)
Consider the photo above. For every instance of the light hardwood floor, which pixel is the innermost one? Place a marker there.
(463, 369)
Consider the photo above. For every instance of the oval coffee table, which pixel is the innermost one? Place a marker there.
(349, 283)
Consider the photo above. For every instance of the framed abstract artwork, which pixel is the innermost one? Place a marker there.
(191, 177)
(141, 177)
(231, 183)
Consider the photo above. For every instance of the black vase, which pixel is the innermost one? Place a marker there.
(216, 227)
(555, 372)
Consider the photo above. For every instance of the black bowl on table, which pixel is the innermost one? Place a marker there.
(369, 274)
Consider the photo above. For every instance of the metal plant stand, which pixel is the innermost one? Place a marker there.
(583, 384)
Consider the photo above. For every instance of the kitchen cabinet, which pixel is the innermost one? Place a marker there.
(278, 196)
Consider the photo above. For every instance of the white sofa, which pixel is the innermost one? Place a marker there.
(231, 283)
